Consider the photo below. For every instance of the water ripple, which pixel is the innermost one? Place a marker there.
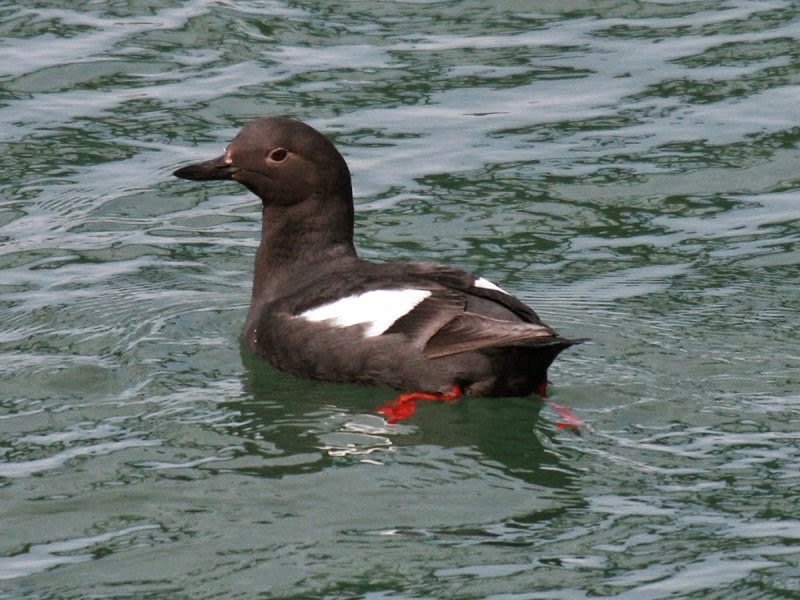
(627, 168)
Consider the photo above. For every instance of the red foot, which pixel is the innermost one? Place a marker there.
(404, 405)
(570, 420)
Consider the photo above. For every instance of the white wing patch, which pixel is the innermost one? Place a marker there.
(488, 285)
(377, 309)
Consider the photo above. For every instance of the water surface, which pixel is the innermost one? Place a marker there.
(628, 168)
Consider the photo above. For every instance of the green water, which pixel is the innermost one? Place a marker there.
(628, 168)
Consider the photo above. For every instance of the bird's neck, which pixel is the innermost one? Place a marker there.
(296, 238)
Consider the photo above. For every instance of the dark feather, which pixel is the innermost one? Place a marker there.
(429, 316)
(468, 332)
(523, 311)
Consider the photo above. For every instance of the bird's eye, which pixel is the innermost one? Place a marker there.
(278, 155)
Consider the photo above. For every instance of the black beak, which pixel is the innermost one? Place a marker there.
(216, 168)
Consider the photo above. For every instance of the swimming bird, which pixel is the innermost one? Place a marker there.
(319, 311)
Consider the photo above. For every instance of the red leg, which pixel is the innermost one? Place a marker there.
(570, 420)
(565, 412)
(404, 405)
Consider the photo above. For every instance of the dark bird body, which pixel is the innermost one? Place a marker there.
(319, 311)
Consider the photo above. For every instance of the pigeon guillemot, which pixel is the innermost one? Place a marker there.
(319, 311)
